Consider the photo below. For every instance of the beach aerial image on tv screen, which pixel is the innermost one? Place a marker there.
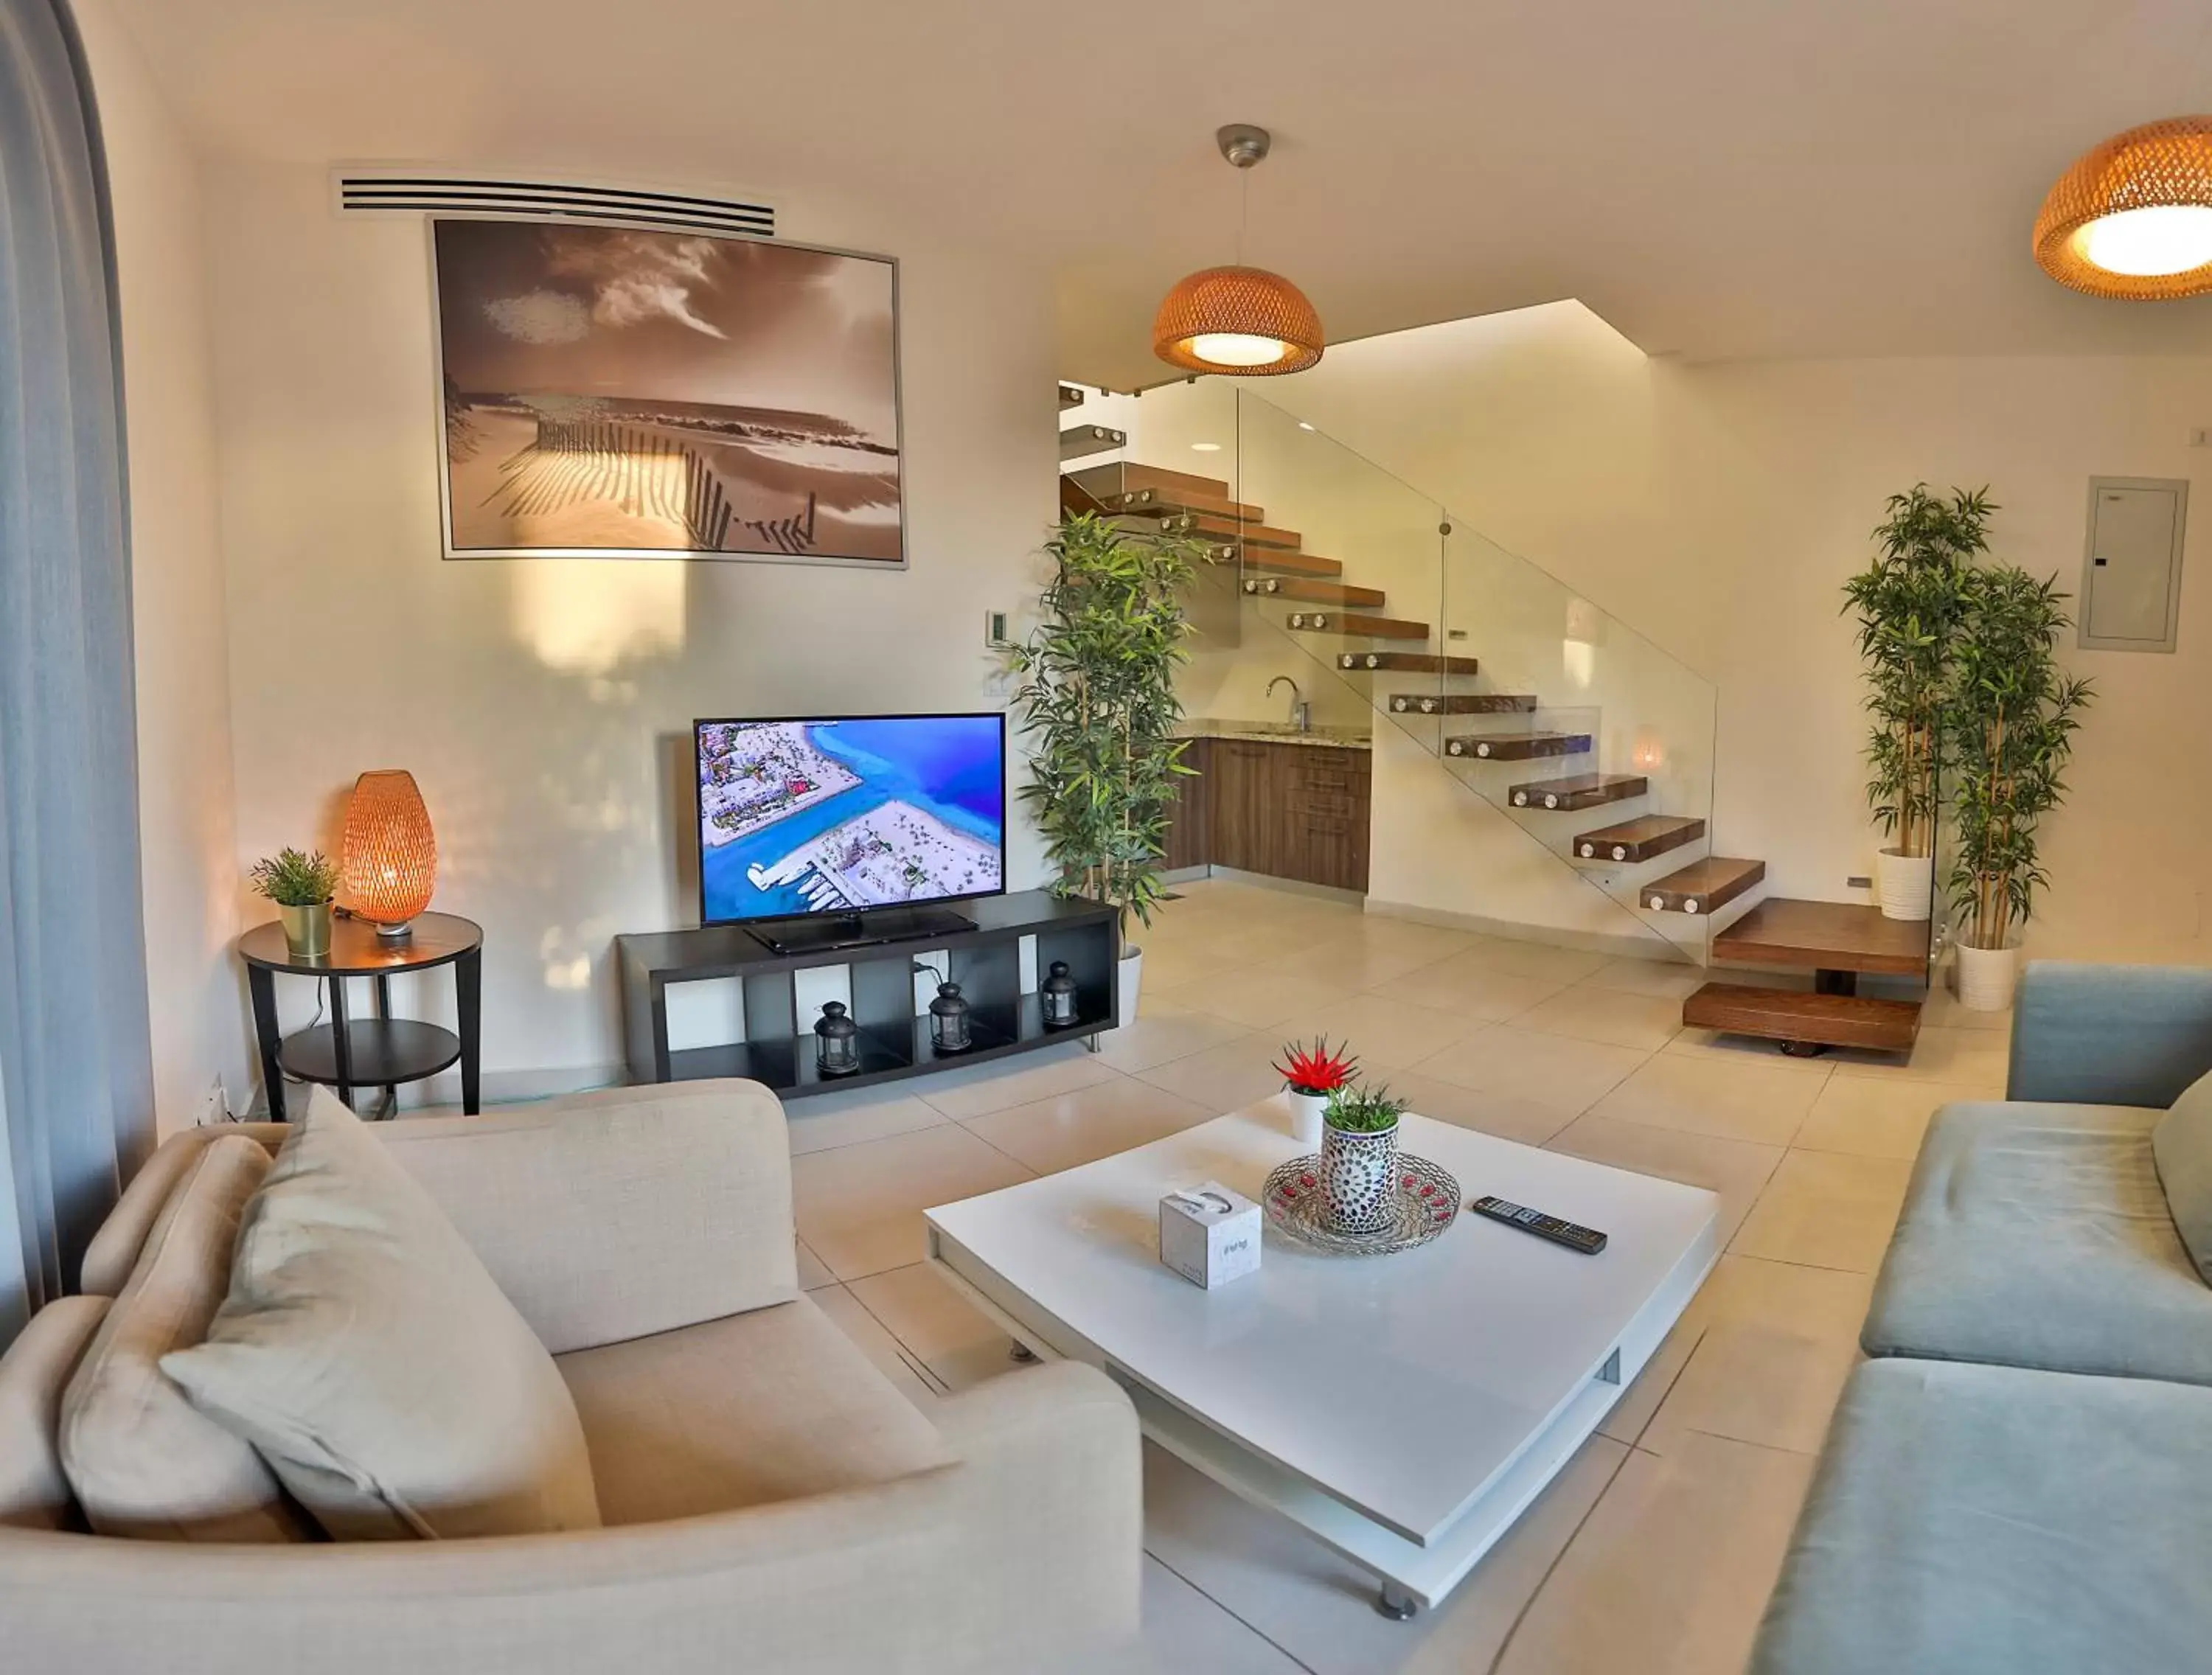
(840, 816)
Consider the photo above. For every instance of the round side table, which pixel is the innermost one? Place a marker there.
(383, 1051)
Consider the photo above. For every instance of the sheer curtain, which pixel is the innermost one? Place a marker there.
(76, 1075)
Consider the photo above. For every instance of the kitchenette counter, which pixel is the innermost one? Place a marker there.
(1341, 738)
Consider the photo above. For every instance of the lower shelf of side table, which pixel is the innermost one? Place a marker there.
(384, 1050)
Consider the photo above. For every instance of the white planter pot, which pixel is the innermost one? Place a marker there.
(1306, 1116)
(1359, 1179)
(1129, 980)
(1906, 884)
(1986, 977)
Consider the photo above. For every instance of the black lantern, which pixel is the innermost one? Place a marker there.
(948, 1020)
(1057, 996)
(837, 1041)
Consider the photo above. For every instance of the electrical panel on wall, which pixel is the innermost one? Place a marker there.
(2130, 595)
(359, 189)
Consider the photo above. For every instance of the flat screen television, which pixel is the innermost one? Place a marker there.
(856, 819)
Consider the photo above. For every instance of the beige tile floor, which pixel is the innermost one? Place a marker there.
(1655, 1548)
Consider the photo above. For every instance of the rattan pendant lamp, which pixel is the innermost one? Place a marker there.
(2133, 217)
(1238, 319)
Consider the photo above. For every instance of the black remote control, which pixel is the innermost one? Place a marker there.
(1587, 1240)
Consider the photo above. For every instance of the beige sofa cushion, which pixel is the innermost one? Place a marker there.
(113, 1252)
(620, 1213)
(771, 1406)
(142, 1459)
(365, 1352)
(35, 1492)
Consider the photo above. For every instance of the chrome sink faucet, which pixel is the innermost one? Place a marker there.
(1301, 711)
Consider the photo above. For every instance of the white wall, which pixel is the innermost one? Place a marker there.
(544, 705)
(1719, 508)
(188, 866)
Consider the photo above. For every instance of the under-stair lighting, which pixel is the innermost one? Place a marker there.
(1206, 447)
(2132, 218)
(1237, 319)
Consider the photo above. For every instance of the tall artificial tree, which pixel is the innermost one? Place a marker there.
(1907, 603)
(2009, 721)
(1098, 697)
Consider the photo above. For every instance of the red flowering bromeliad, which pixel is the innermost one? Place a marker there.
(1317, 1069)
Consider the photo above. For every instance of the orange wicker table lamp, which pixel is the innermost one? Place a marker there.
(391, 862)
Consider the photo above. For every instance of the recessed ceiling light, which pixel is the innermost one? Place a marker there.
(1303, 425)
(1206, 447)
(2133, 217)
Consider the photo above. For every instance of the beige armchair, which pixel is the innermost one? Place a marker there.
(772, 1502)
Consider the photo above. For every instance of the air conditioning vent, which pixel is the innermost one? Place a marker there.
(418, 191)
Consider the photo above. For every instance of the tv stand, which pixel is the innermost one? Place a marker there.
(821, 933)
(982, 954)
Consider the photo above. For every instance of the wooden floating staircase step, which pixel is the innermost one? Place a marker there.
(1577, 791)
(1077, 440)
(1405, 663)
(1207, 527)
(1171, 503)
(1517, 747)
(1075, 498)
(1353, 626)
(1274, 561)
(1462, 703)
(1702, 886)
(1638, 839)
(1828, 936)
(1312, 592)
(1800, 1016)
(1127, 477)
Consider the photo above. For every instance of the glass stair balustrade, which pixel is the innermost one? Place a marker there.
(1589, 749)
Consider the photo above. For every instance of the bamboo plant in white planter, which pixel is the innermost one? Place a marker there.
(1907, 604)
(1098, 697)
(2009, 724)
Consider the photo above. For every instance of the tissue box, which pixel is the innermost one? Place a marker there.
(1209, 1235)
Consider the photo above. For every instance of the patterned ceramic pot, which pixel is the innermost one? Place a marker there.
(1359, 1176)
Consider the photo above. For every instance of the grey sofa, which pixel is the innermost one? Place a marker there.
(772, 1503)
(2019, 1480)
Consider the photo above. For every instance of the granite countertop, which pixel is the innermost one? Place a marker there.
(1341, 738)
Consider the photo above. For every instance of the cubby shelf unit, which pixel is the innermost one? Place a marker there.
(779, 1048)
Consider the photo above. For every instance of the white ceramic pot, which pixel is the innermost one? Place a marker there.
(1359, 1179)
(1906, 884)
(1306, 1115)
(1986, 977)
(1129, 981)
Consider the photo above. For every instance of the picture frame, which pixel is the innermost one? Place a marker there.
(620, 390)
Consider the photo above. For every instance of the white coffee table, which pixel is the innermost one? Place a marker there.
(1406, 1409)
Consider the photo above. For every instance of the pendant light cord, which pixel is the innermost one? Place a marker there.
(1243, 210)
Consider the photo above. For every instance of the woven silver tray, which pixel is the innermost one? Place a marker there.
(1427, 1204)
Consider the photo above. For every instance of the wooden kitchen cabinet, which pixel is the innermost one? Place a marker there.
(1298, 811)
(1190, 820)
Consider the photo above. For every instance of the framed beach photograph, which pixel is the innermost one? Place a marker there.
(616, 391)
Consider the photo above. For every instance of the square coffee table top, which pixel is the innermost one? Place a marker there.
(1402, 1385)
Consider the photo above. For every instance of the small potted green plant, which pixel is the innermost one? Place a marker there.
(1311, 1074)
(303, 887)
(1360, 1158)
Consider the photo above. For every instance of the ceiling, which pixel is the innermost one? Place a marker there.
(1717, 177)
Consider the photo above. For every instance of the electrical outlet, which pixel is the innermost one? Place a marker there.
(214, 1105)
(994, 630)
